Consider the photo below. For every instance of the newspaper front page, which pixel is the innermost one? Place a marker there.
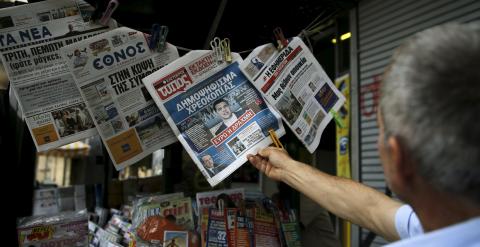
(217, 115)
(30, 38)
(294, 82)
(110, 80)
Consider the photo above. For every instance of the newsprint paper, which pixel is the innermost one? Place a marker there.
(30, 38)
(294, 82)
(108, 69)
(217, 115)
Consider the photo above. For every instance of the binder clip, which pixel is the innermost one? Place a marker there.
(337, 119)
(111, 7)
(275, 139)
(158, 37)
(217, 49)
(281, 41)
(225, 44)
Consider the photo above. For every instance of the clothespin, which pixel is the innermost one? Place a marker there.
(275, 139)
(337, 118)
(111, 7)
(225, 44)
(281, 40)
(97, 12)
(158, 37)
(217, 49)
(163, 38)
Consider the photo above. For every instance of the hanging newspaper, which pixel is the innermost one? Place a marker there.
(30, 38)
(215, 112)
(294, 82)
(110, 80)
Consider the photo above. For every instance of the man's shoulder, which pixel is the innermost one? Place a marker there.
(220, 128)
(462, 234)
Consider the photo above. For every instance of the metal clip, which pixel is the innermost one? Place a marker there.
(225, 44)
(281, 41)
(111, 7)
(217, 49)
(158, 37)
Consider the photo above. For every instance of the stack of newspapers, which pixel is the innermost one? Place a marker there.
(233, 217)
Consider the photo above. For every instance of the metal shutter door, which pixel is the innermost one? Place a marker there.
(382, 26)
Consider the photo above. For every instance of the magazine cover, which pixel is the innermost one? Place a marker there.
(217, 233)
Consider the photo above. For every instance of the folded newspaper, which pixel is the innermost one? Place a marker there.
(217, 115)
(294, 82)
(108, 69)
(30, 38)
(64, 229)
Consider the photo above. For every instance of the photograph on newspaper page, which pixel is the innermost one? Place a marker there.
(110, 81)
(296, 85)
(30, 38)
(217, 115)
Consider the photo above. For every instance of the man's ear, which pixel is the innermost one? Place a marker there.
(402, 165)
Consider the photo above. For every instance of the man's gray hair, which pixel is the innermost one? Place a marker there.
(430, 98)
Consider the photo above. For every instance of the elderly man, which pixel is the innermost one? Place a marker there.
(429, 144)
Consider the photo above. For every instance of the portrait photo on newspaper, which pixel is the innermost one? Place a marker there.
(218, 116)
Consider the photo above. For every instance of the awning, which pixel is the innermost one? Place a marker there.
(75, 149)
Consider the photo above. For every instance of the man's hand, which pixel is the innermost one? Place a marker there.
(272, 161)
(346, 198)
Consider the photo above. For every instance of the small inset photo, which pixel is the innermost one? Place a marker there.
(237, 146)
(175, 239)
(326, 97)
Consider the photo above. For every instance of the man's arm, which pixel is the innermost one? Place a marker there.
(345, 198)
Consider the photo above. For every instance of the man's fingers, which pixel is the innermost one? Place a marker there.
(255, 160)
(266, 152)
(260, 163)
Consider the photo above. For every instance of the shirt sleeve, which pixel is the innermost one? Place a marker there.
(407, 223)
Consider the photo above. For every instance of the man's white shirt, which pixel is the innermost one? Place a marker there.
(410, 230)
(231, 120)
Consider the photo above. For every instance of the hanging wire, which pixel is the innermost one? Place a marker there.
(313, 28)
(183, 48)
(319, 28)
(245, 51)
(314, 20)
(307, 38)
